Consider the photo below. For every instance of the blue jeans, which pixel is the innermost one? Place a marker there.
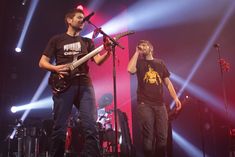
(154, 125)
(84, 99)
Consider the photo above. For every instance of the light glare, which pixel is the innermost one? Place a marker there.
(44, 103)
(13, 109)
(18, 49)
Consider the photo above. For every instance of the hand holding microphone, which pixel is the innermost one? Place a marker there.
(139, 49)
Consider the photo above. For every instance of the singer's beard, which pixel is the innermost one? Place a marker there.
(145, 54)
(78, 28)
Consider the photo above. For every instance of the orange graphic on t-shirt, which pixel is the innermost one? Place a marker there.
(152, 77)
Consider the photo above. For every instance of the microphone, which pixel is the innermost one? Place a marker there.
(139, 48)
(87, 18)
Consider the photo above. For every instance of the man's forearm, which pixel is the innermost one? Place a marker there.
(172, 92)
(132, 63)
(100, 59)
(170, 88)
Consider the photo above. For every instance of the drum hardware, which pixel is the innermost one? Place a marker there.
(32, 141)
(28, 141)
(25, 143)
(74, 135)
(105, 100)
(75, 138)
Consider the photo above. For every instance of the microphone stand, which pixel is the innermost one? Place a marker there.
(114, 44)
(217, 47)
(201, 128)
(222, 79)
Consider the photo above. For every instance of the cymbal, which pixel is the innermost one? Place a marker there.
(105, 100)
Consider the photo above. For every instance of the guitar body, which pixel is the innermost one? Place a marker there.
(59, 83)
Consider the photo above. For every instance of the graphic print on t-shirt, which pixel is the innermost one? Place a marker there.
(152, 77)
(73, 49)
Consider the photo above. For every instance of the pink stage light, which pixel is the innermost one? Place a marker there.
(80, 7)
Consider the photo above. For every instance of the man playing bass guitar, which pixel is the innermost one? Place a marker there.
(67, 48)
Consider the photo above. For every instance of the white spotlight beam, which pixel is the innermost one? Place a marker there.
(44, 103)
(188, 148)
(156, 14)
(208, 46)
(38, 93)
(199, 92)
(204, 95)
(32, 8)
(36, 96)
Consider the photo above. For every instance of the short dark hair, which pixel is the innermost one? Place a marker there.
(71, 13)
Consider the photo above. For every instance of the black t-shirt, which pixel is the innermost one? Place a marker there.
(150, 75)
(67, 49)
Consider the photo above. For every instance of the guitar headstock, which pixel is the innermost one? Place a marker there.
(120, 35)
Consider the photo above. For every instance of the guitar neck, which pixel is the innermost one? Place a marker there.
(86, 57)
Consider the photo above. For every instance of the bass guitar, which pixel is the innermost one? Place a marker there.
(60, 83)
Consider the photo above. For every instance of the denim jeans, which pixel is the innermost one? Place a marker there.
(84, 99)
(154, 125)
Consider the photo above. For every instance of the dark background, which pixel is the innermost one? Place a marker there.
(178, 44)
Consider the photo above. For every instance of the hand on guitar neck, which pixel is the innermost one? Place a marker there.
(107, 44)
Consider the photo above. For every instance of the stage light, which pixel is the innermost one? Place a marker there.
(167, 14)
(80, 7)
(24, 2)
(159, 14)
(44, 103)
(13, 109)
(12, 136)
(37, 94)
(18, 50)
(32, 8)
